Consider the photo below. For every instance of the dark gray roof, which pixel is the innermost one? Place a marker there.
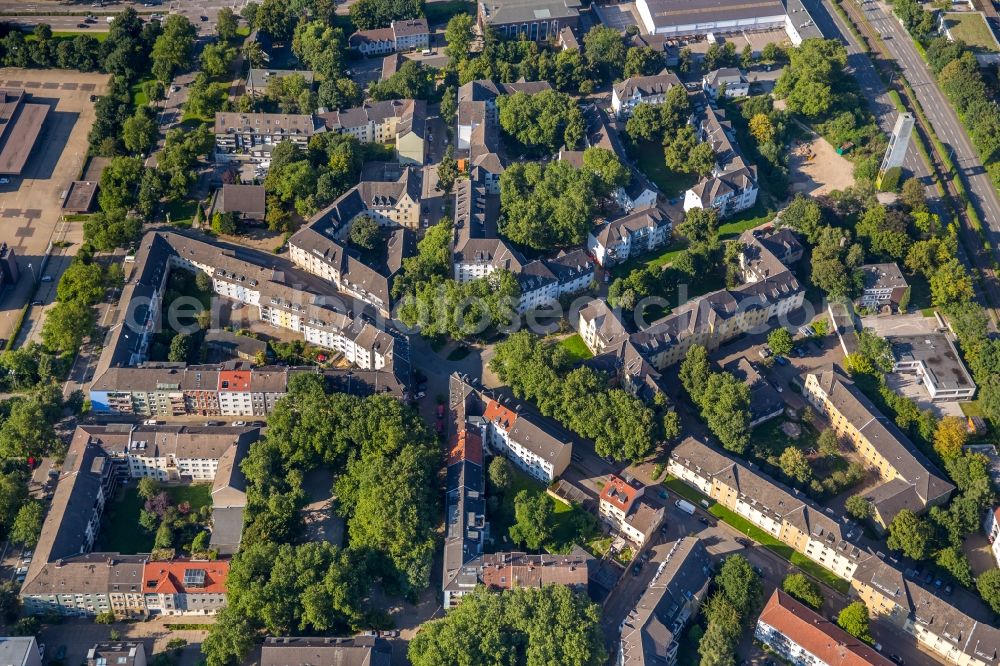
(521, 11)
(246, 199)
(883, 276)
(938, 354)
(356, 651)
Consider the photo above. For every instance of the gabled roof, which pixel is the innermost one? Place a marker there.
(657, 84)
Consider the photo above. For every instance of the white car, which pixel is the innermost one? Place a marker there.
(46, 278)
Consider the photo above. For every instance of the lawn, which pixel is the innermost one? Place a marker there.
(649, 158)
(748, 219)
(572, 524)
(196, 494)
(63, 35)
(181, 212)
(666, 255)
(139, 98)
(576, 348)
(771, 437)
(971, 28)
(920, 294)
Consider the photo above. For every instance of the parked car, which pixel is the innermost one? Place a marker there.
(46, 278)
(896, 658)
(440, 411)
(765, 351)
(37, 303)
(637, 568)
(781, 360)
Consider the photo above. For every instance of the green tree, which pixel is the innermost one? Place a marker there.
(500, 473)
(365, 232)
(642, 61)
(740, 584)
(854, 620)
(803, 589)
(950, 436)
(701, 160)
(28, 524)
(805, 216)
(140, 131)
(66, 325)
(542, 122)
(369, 14)
(224, 223)
(726, 410)
(828, 443)
(217, 58)
(533, 519)
(695, 372)
(610, 172)
(172, 49)
(859, 507)
(678, 149)
(909, 534)
(81, 282)
(180, 348)
(605, 51)
(458, 36)
(645, 122)
(795, 465)
(200, 544)
(148, 487)
(988, 584)
(226, 24)
(954, 561)
(951, 284)
(780, 341)
(447, 170)
(546, 205)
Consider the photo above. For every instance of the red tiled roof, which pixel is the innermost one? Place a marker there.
(168, 577)
(234, 380)
(618, 493)
(497, 413)
(465, 445)
(813, 632)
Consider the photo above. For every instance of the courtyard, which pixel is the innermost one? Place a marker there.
(121, 531)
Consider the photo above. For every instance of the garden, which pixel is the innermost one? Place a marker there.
(148, 517)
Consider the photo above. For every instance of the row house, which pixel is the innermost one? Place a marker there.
(616, 241)
(401, 35)
(785, 515)
(185, 587)
(401, 122)
(732, 185)
(636, 90)
(910, 481)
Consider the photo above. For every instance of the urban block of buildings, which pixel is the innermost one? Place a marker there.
(624, 508)
(524, 441)
(650, 633)
(402, 35)
(20, 651)
(66, 576)
(839, 547)
(802, 636)
(250, 137)
(401, 122)
(910, 481)
(20, 125)
(535, 20)
(283, 297)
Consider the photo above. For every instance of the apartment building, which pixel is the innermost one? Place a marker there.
(732, 185)
(615, 241)
(118, 653)
(650, 633)
(884, 286)
(402, 35)
(65, 575)
(534, 20)
(953, 636)
(20, 651)
(537, 447)
(910, 480)
(879, 582)
(185, 587)
(991, 526)
(787, 515)
(636, 90)
(623, 506)
(354, 651)
(401, 122)
(250, 137)
(801, 636)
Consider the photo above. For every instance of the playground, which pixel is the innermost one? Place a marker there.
(815, 168)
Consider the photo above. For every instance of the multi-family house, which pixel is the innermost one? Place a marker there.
(768, 252)
(910, 481)
(802, 636)
(536, 446)
(727, 80)
(65, 575)
(325, 651)
(765, 401)
(535, 20)
(20, 651)
(623, 506)
(126, 653)
(934, 360)
(651, 631)
(954, 636)
(477, 104)
(615, 241)
(544, 281)
(732, 185)
(401, 35)
(636, 90)
(250, 137)
(185, 587)
(786, 515)
(402, 122)
(257, 78)
(884, 286)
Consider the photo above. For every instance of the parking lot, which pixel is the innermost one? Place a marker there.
(30, 205)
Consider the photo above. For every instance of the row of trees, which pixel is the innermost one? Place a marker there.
(622, 427)
(384, 460)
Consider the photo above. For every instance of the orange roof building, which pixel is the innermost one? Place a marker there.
(179, 587)
(802, 636)
(618, 494)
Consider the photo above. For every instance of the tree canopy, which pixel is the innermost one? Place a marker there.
(546, 205)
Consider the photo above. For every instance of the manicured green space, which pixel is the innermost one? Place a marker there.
(648, 155)
(196, 494)
(139, 98)
(243, 31)
(181, 212)
(782, 550)
(571, 524)
(576, 348)
(666, 255)
(685, 491)
(972, 408)
(748, 219)
(770, 437)
(64, 35)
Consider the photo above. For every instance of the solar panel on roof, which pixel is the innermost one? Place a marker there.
(194, 578)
